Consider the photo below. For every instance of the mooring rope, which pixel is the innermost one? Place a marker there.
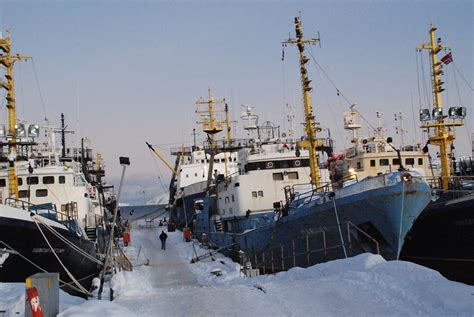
(339, 227)
(66, 241)
(37, 266)
(59, 260)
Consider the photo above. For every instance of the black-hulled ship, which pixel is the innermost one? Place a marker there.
(52, 203)
(442, 237)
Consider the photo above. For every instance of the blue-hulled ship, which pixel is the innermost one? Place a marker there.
(268, 211)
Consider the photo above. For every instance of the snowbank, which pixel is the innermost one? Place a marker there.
(365, 285)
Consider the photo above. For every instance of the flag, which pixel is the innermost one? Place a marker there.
(448, 58)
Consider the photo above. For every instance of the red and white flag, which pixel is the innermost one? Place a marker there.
(448, 58)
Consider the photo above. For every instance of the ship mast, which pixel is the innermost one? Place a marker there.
(310, 127)
(210, 125)
(443, 135)
(8, 60)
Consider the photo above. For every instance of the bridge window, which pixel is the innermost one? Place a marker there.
(48, 180)
(233, 198)
(372, 163)
(22, 194)
(62, 179)
(260, 193)
(293, 175)
(410, 161)
(383, 162)
(420, 161)
(254, 194)
(3, 182)
(33, 180)
(277, 176)
(41, 192)
(396, 161)
(20, 181)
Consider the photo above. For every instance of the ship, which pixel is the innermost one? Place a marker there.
(442, 236)
(195, 167)
(53, 205)
(265, 212)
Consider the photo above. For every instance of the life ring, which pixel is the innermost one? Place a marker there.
(406, 177)
(297, 163)
(269, 165)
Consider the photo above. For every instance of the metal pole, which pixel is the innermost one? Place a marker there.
(124, 161)
(339, 227)
(307, 249)
(282, 259)
(294, 252)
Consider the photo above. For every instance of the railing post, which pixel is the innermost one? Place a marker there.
(282, 259)
(264, 264)
(307, 250)
(273, 267)
(324, 242)
(349, 235)
(294, 252)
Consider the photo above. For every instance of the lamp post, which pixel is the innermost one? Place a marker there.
(124, 161)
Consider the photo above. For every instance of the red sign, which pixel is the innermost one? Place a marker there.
(33, 300)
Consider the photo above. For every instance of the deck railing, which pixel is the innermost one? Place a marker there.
(302, 251)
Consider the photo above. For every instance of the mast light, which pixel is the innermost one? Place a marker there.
(20, 130)
(425, 115)
(457, 112)
(437, 113)
(33, 131)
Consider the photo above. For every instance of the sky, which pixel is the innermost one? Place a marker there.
(127, 72)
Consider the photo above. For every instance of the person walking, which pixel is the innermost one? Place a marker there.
(163, 237)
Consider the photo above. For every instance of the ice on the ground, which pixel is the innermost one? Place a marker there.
(171, 286)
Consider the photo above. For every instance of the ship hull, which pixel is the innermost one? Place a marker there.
(330, 228)
(23, 236)
(443, 238)
(183, 212)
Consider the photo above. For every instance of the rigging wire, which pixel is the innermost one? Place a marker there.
(338, 129)
(457, 88)
(39, 89)
(341, 94)
(163, 187)
(284, 101)
(20, 75)
(425, 87)
(418, 80)
(329, 79)
(462, 76)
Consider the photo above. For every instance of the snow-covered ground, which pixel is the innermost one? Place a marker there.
(165, 283)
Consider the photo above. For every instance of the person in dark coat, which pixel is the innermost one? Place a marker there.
(163, 237)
